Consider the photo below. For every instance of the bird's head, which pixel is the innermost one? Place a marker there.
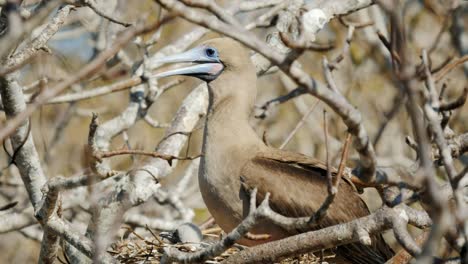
(210, 59)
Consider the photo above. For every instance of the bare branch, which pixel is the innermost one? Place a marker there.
(449, 67)
(100, 91)
(337, 102)
(17, 221)
(299, 125)
(91, 4)
(459, 102)
(236, 234)
(252, 5)
(26, 157)
(154, 154)
(84, 72)
(24, 55)
(324, 238)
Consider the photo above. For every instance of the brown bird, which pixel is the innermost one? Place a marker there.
(235, 159)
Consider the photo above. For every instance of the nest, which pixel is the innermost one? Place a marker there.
(151, 249)
(148, 250)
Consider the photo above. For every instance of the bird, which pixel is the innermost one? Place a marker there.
(235, 159)
(184, 233)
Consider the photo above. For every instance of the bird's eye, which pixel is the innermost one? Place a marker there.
(210, 52)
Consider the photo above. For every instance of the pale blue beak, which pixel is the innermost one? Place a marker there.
(207, 65)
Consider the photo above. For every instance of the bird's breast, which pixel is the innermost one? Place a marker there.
(228, 144)
(220, 188)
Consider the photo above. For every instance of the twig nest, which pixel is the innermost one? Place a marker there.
(312, 22)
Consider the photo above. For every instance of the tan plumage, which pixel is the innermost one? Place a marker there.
(235, 159)
(300, 188)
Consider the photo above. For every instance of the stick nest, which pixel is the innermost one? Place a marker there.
(138, 249)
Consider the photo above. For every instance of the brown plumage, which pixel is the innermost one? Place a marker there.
(235, 159)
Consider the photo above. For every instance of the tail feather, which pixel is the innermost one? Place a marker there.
(357, 253)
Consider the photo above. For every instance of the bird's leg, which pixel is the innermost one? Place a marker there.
(257, 237)
(208, 223)
(257, 214)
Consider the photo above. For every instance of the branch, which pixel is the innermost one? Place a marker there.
(449, 67)
(351, 116)
(437, 130)
(359, 229)
(154, 154)
(213, 8)
(403, 236)
(459, 102)
(172, 254)
(86, 71)
(459, 145)
(381, 220)
(298, 125)
(91, 4)
(16, 221)
(17, 30)
(332, 183)
(140, 184)
(100, 91)
(21, 57)
(61, 228)
(279, 100)
(266, 18)
(253, 5)
(26, 157)
(54, 226)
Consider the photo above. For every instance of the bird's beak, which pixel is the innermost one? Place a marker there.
(170, 235)
(204, 67)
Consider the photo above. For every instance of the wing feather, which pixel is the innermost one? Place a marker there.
(298, 186)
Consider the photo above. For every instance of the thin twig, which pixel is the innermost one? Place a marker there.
(91, 4)
(88, 70)
(449, 67)
(96, 92)
(279, 100)
(332, 183)
(459, 102)
(356, 25)
(169, 158)
(299, 125)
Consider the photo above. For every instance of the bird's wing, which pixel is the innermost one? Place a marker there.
(292, 179)
(297, 159)
(298, 186)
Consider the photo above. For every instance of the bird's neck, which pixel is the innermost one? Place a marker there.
(228, 141)
(227, 110)
(232, 97)
(231, 101)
